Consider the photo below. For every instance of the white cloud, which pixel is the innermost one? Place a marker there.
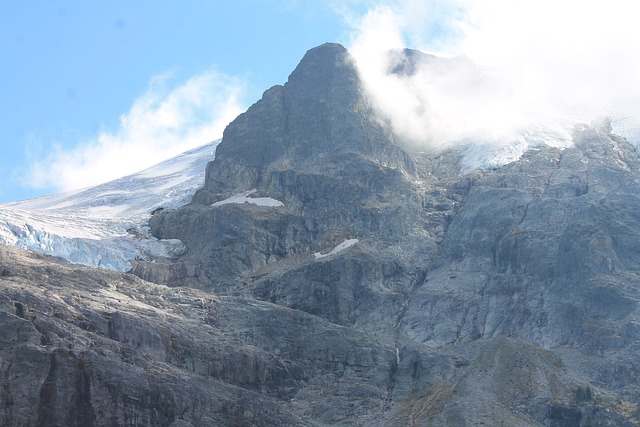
(164, 122)
(581, 55)
(550, 59)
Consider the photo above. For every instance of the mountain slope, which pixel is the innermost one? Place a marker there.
(106, 225)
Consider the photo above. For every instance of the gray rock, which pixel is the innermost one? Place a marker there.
(88, 347)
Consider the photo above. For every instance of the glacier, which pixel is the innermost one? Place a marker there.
(106, 225)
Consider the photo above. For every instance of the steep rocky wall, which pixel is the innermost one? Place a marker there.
(87, 347)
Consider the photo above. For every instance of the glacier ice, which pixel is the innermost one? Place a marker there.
(105, 226)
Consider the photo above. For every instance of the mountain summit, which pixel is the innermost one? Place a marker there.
(318, 120)
(333, 276)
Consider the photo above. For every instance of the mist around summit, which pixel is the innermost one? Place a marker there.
(515, 69)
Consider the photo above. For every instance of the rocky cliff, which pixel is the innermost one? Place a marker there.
(335, 277)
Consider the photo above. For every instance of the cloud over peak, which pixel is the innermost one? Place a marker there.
(538, 62)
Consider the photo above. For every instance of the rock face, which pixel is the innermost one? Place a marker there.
(87, 347)
(360, 284)
(314, 144)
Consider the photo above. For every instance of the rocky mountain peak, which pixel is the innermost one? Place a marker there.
(322, 68)
(331, 278)
(319, 122)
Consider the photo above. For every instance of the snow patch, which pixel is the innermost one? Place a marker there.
(244, 198)
(341, 247)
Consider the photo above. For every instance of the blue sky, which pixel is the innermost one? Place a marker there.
(92, 90)
(72, 68)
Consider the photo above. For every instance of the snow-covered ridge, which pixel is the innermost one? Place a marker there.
(106, 225)
(493, 153)
(557, 132)
(244, 198)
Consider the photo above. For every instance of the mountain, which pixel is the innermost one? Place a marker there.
(333, 276)
(106, 225)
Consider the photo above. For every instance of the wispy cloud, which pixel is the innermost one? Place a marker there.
(547, 58)
(168, 119)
